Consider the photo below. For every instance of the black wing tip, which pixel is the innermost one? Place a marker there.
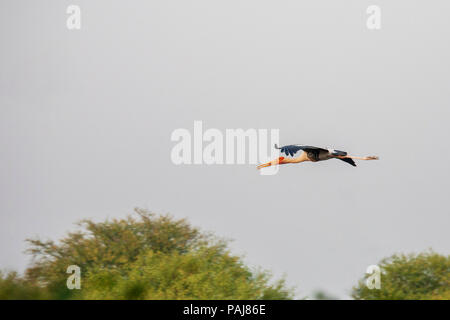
(349, 161)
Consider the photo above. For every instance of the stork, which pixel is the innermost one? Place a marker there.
(313, 154)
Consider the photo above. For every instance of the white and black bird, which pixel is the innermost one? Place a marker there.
(313, 154)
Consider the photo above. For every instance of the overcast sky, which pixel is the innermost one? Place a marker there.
(86, 118)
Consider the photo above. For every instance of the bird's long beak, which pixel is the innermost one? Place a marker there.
(268, 164)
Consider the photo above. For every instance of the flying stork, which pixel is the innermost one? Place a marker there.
(313, 154)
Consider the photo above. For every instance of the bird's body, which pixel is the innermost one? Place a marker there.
(314, 154)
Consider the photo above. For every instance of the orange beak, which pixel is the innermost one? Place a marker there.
(268, 164)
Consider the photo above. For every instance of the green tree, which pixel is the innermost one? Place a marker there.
(424, 276)
(148, 257)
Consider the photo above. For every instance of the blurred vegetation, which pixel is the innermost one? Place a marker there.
(323, 295)
(12, 287)
(147, 257)
(424, 276)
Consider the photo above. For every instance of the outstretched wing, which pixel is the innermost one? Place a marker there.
(292, 149)
(289, 150)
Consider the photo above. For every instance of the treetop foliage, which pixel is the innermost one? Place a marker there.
(423, 276)
(147, 256)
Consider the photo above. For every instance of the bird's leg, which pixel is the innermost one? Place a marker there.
(282, 160)
(360, 158)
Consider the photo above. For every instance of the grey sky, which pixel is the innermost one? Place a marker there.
(86, 118)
